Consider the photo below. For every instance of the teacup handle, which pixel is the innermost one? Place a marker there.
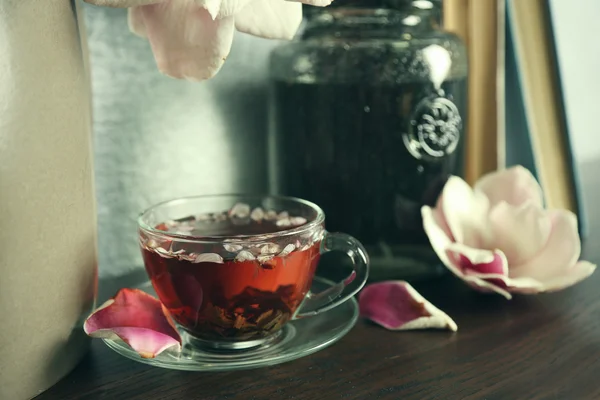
(315, 303)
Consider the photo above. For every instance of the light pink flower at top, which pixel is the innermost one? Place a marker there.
(498, 237)
(191, 39)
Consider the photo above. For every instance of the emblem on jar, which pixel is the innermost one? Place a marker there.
(434, 128)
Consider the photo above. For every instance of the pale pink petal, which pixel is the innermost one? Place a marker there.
(491, 285)
(316, 3)
(514, 185)
(287, 250)
(580, 271)
(520, 231)
(482, 269)
(440, 219)
(465, 212)
(396, 305)
(438, 238)
(480, 261)
(135, 19)
(270, 19)
(212, 6)
(138, 319)
(244, 255)
(222, 8)
(208, 258)
(186, 41)
(122, 3)
(554, 266)
(487, 271)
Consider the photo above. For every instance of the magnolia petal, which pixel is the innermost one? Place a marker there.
(297, 221)
(489, 276)
(232, 246)
(222, 8)
(573, 275)
(239, 210)
(270, 19)
(186, 41)
(440, 218)
(257, 214)
(520, 231)
(515, 185)
(316, 3)
(555, 261)
(490, 285)
(438, 238)
(466, 212)
(122, 3)
(135, 20)
(287, 250)
(504, 285)
(488, 271)
(212, 6)
(479, 261)
(396, 305)
(269, 248)
(138, 319)
(232, 7)
(208, 258)
(244, 255)
(271, 215)
(482, 269)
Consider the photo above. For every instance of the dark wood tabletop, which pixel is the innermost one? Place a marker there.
(532, 347)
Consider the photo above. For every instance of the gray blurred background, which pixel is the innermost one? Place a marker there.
(157, 138)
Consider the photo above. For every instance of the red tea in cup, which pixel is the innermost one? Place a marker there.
(233, 278)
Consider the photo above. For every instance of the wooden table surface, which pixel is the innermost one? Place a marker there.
(532, 347)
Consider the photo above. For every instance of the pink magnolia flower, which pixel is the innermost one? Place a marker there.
(191, 39)
(498, 237)
(138, 319)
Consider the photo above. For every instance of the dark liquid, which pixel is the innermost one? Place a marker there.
(234, 300)
(344, 148)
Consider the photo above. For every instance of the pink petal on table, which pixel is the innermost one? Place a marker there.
(135, 20)
(187, 43)
(269, 19)
(556, 266)
(138, 319)
(465, 211)
(121, 3)
(515, 185)
(396, 305)
(520, 231)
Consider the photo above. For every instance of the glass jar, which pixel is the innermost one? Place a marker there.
(367, 120)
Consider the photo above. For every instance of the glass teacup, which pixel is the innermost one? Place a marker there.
(233, 269)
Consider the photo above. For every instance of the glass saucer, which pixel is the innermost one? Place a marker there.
(297, 339)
